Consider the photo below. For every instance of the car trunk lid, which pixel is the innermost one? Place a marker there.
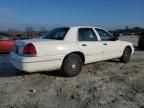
(43, 47)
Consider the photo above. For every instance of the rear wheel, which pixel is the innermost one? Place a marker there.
(126, 55)
(72, 65)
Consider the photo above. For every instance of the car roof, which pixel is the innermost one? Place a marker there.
(84, 27)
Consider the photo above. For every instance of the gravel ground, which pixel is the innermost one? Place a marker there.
(108, 84)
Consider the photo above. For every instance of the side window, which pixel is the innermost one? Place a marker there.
(60, 34)
(86, 34)
(56, 34)
(104, 35)
(3, 37)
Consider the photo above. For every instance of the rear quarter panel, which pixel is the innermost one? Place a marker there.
(56, 48)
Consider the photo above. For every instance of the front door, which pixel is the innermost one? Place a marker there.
(110, 45)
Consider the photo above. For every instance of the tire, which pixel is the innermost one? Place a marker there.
(126, 55)
(72, 65)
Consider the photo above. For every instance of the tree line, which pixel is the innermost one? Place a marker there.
(29, 32)
(128, 31)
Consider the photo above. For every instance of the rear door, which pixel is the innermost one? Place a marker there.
(111, 47)
(89, 44)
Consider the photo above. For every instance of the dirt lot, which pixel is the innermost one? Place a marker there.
(108, 84)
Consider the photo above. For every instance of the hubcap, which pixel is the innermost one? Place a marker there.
(127, 54)
(73, 66)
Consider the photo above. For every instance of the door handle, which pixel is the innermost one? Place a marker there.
(105, 44)
(84, 45)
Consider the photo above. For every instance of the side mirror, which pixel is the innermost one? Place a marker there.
(117, 38)
(116, 35)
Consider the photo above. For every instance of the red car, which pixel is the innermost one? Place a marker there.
(6, 43)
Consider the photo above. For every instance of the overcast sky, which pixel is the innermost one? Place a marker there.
(49, 13)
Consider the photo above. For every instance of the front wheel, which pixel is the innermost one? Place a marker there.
(126, 55)
(72, 65)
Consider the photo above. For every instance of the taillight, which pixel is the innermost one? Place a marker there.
(29, 49)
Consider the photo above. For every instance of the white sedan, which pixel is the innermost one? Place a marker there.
(67, 49)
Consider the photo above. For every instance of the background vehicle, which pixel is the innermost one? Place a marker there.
(141, 41)
(6, 43)
(68, 48)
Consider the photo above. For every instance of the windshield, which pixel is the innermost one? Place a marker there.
(56, 34)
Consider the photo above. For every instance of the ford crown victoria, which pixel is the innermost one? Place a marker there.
(68, 49)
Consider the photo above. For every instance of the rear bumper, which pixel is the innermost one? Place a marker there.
(35, 64)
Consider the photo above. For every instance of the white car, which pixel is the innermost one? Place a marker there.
(68, 48)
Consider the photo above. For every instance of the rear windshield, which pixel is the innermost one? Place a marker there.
(56, 34)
